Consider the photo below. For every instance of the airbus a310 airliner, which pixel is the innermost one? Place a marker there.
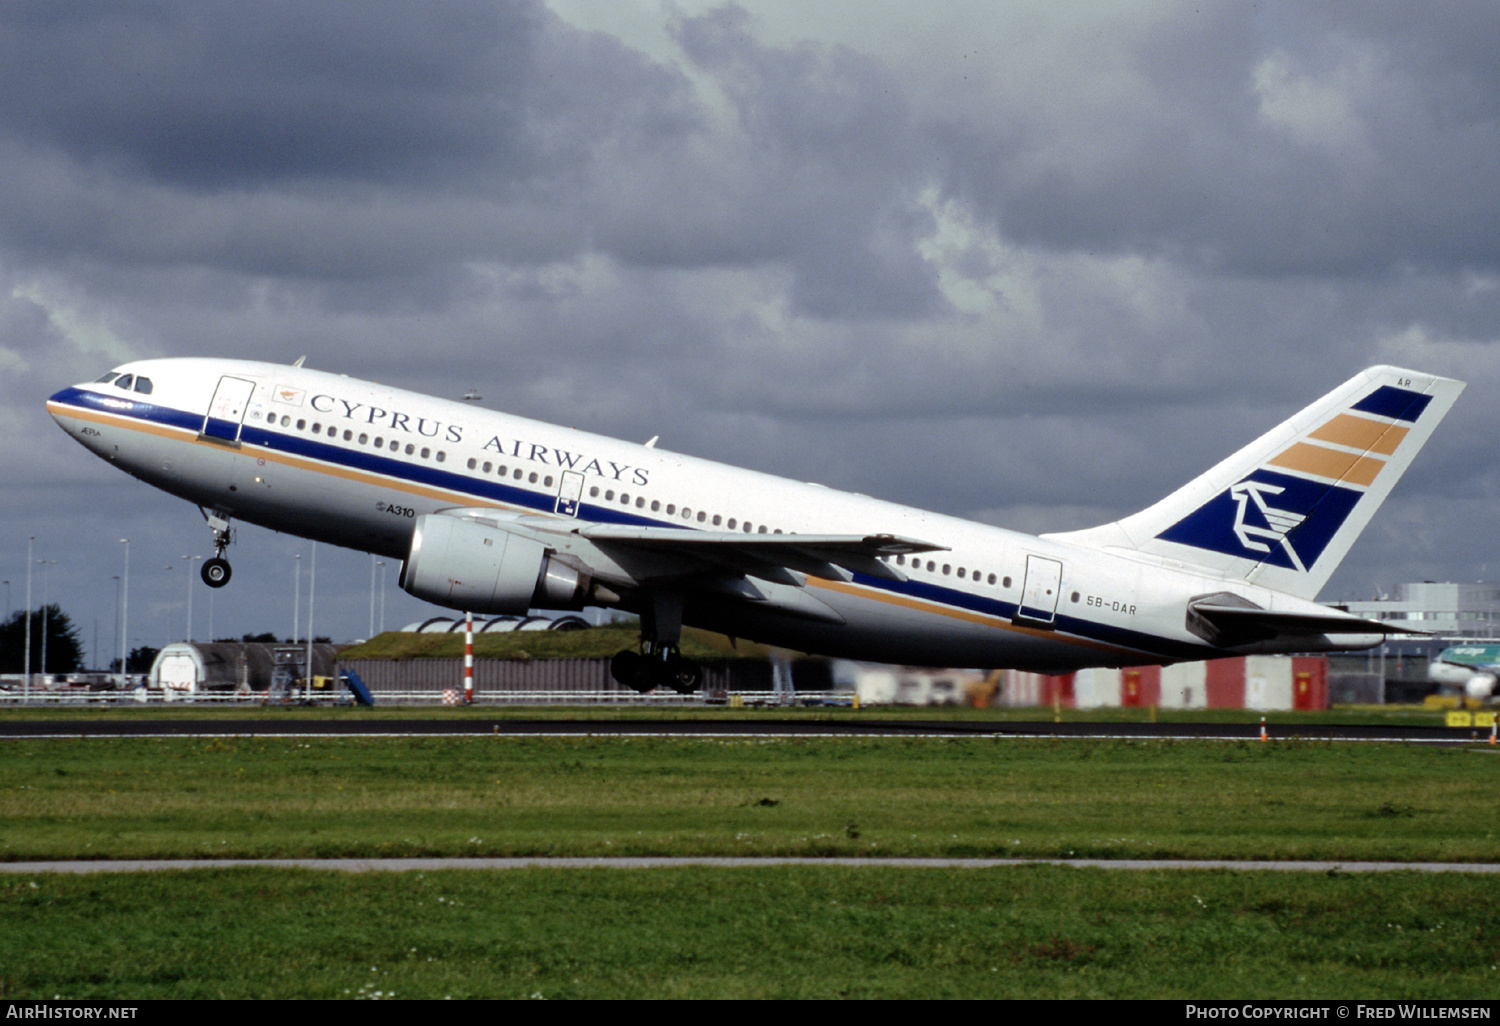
(493, 513)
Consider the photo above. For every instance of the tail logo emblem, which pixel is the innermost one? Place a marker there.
(1263, 514)
(1278, 522)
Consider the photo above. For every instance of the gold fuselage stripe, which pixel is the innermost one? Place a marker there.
(460, 498)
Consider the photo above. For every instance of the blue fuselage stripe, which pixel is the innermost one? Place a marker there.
(1148, 645)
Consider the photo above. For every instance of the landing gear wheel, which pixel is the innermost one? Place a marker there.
(683, 676)
(630, 669)
(216, 572)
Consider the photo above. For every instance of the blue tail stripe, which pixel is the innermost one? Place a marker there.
(1396, 403)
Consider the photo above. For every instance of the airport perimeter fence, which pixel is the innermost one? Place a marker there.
(155, 697)
(441, 681)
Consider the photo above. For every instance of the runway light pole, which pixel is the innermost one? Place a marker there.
(296, 596)
(116, 579)
(124, 611)
(46, 582)
(312, 580)
(26, 686)
(189, 561)
(381, 564)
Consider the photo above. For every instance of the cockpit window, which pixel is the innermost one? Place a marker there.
(107, 378)
(125, 381)
(143, 385)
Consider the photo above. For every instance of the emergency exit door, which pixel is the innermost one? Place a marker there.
(569, 494)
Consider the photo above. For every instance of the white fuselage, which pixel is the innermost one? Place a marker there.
(352, 463)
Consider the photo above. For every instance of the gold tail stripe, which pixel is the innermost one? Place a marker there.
(1361, 433)
(1330, 463)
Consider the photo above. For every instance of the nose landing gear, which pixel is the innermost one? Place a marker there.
(216, 572)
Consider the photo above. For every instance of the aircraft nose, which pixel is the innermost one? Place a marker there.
(60, 404)
(56, 399)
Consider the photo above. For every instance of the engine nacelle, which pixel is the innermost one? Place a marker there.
(479, 568)
(1480, 686)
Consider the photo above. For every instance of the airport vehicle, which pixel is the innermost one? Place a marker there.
(1472, 669)
(493, 513)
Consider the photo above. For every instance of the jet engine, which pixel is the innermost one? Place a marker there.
(1480, 686)
(480, 568)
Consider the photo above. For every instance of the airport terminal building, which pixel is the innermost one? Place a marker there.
(1451, 610)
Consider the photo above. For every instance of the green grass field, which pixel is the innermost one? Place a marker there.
(285, 797)
(805, 932)
(820, 931)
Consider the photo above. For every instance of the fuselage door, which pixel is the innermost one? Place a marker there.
(1039, 593)
(569, 494)
(227, 410)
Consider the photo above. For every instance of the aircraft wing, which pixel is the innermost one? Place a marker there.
(832, 556)
(642, 554)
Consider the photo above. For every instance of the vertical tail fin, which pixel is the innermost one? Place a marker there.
(1283, 511)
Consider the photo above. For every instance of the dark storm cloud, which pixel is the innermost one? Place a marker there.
(1038, 263)
(289, 139)
(220, 95)
(834, 156)
(1307, 139)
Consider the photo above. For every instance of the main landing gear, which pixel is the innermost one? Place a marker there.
(216, 571)
(659, 663)
(657, 666)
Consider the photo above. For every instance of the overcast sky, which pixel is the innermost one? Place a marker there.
(1031, 263)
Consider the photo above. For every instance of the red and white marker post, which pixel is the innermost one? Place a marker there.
(468, 659)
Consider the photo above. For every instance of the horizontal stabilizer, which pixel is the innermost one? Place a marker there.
(1229, 621)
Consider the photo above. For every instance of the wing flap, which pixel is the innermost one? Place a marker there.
(831, 556)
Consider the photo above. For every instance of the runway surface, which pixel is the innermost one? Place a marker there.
(431, 865)
(420, 726)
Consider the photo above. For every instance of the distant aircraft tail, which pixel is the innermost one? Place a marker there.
(1283, 511)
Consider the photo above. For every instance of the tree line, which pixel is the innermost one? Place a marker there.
(63, 649)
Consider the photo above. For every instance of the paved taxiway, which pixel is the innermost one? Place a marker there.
(355, 726)
(426, 865)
